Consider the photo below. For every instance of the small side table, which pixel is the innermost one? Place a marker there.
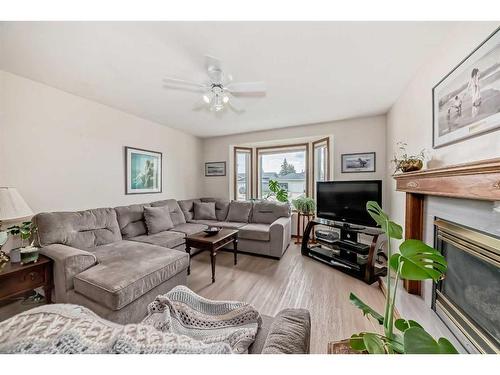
(303, 219)
(17, 279)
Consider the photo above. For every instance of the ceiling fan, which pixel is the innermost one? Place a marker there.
(219, 90)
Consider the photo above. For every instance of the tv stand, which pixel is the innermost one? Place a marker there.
(346, 253)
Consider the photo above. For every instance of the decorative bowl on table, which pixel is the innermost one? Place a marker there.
(212, 231)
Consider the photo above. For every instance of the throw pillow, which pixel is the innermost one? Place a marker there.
(204, 211)
(157, 219)
(239, 211)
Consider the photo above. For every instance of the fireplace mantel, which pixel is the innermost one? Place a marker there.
(477, 180)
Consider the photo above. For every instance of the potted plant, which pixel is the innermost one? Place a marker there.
(408, 163)
(277, 192)
(415, 261)
(304, 205)
(25, 231)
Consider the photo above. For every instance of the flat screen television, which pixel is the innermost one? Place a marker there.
(346, 200)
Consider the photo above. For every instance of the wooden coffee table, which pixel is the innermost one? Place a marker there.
(212, 243)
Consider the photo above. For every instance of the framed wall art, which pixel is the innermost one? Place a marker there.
(143, 171)
(466, 102)
(358, 162)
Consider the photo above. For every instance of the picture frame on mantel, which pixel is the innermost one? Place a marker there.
(215, 169)
(360, 162)
(143, 171)
(466, 102)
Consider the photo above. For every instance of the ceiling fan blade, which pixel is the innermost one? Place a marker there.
(183, 82)
(184, 88)
(255, 88)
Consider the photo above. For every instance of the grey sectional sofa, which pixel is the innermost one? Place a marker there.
(105, 258)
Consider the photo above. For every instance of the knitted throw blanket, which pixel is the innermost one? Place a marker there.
(72, 329)
(183, 312)
(178, 322)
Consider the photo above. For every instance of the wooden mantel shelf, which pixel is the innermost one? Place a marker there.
(477, 180)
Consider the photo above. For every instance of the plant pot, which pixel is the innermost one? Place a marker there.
(342, 347)
(411, 165)
(29, 254)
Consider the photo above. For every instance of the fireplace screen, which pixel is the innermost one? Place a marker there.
(469, 296)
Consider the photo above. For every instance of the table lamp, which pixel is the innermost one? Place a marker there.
(12, 208)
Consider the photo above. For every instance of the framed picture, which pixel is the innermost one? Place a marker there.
(215, 168)
(143, 171)
(359, 162)
(466, 102)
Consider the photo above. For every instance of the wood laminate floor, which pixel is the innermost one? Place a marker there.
(271, 285)
(294, 281)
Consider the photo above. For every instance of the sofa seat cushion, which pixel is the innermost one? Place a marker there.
(165, 239)
(257, 232)
(126, 271)
(230, 224)
(189, 228)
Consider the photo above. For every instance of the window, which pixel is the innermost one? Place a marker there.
(285, 164)
(321, 165)
(242, 173)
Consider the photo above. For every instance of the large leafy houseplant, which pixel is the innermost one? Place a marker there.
(277, 191)
(415, 261)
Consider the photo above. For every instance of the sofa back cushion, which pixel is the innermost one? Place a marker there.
(157, 219)
(131, 220)
(187, 207)
(204, 211)
(82, 229)
(266, 212)
(239, 211)
(221, 207)
(175, 211)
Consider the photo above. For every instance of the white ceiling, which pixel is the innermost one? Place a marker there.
(314, 71)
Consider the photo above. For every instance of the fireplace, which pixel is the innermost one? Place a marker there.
(468, 299)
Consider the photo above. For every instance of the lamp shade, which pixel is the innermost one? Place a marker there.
(12, 205)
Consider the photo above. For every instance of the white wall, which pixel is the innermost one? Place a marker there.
(410, 118)
(64, 152)
(348, 136)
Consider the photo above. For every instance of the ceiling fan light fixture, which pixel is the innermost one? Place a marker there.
(206, 99)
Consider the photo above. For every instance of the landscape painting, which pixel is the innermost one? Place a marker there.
(359, 162)
(143, 171)
(467, 101)
(217, 168)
